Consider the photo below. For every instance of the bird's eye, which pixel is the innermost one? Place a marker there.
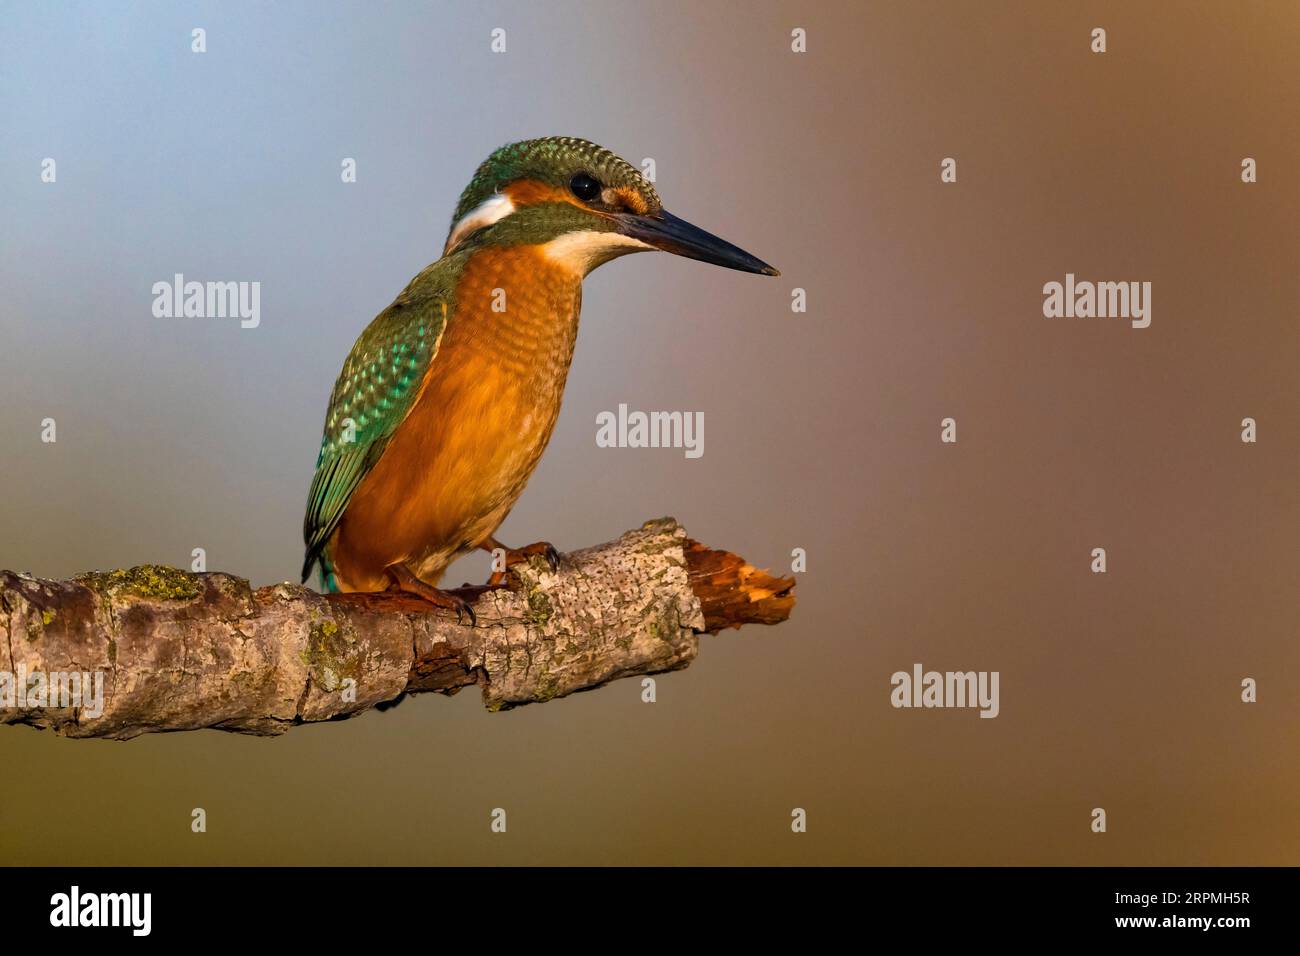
(584, 187)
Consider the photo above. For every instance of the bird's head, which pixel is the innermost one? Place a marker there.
(581, 205)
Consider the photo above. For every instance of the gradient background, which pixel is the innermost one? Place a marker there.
(822, 430)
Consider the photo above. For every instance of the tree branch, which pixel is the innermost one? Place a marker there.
(180, 651)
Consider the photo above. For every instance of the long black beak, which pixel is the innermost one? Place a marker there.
(665, 231)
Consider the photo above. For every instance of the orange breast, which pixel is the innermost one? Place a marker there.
(456, 466)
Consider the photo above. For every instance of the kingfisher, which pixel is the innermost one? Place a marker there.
(448, 398)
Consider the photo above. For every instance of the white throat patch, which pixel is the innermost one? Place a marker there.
(493, 209)
(581, 252)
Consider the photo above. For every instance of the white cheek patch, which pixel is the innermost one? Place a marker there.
(493, 209)
(581, 252)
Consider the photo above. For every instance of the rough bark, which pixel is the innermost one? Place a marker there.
(181, 651)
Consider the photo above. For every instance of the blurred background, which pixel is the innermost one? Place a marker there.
(924, 301)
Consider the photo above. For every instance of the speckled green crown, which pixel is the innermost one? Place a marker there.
(553, 160)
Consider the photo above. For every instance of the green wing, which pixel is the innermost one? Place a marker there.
(373, 395)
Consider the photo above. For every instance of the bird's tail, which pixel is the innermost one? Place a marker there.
(328, 581)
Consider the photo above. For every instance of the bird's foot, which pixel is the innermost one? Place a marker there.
(404, 579)
(515, 556)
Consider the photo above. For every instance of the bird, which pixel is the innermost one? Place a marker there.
(447, 400)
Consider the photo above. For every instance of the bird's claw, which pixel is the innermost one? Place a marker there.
(551, 555)
(463, 607)
(405, 580)
(542, 549)
(514, 556)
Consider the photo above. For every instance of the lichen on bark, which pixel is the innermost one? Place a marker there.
(182, 651)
